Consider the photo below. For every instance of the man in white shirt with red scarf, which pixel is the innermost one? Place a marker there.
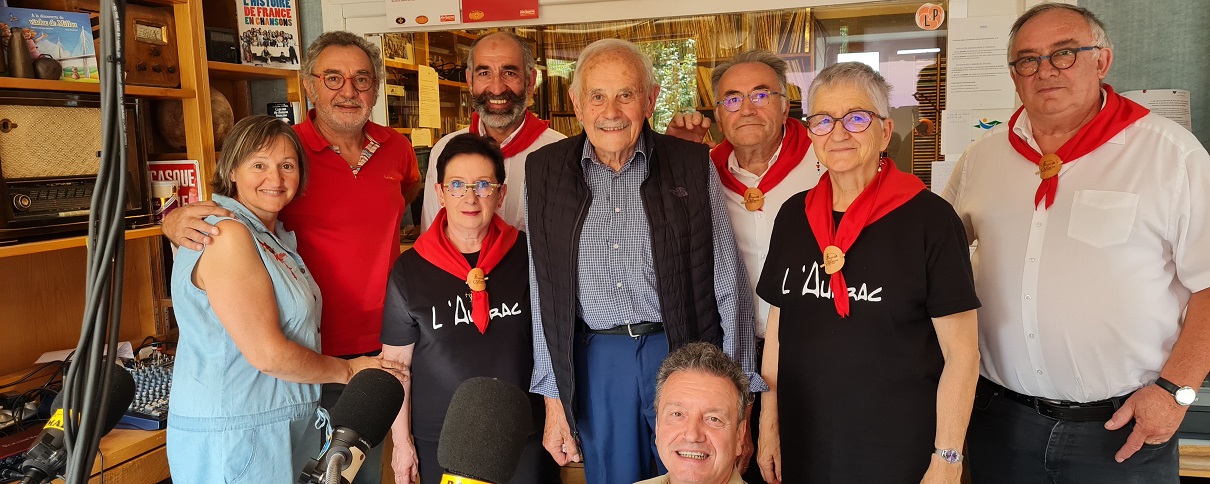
(765, 159)
(500, 72)
(1089, 217)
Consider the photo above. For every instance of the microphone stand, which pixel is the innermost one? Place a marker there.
(332, 473)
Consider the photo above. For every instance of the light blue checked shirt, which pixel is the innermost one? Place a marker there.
(617, 273)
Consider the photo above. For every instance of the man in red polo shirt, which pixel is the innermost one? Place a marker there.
(347, 218)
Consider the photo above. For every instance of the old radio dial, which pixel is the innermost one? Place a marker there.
(21, 202)
(142, 66)
(157, 68)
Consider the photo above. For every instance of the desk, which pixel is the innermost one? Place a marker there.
(1195, 458)
(131, 457)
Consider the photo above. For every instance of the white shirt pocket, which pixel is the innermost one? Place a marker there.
(1102, 218)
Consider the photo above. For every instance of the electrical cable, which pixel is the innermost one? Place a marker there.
(87, 382)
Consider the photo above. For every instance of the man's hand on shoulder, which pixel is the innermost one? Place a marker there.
(690, 127)
(186, 226)
(1156, 416)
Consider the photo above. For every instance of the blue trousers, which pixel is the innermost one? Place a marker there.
(615, 405)
(1009, 443)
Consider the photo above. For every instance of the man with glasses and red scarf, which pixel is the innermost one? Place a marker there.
(347, 221)
(1089, 214)
(500, 72)
(765, 159)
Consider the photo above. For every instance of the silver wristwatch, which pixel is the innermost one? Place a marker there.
(1184, 395)
(950, 455)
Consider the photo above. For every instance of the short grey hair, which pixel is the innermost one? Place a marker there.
(527, 52)
(709, 359)
(751, 56)
(619, 47)
(341, 38)
(855, 74)
(1100, 37)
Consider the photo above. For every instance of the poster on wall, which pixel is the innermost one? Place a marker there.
(412, 13)
(184, 172)
(268, 33)
(495, 10)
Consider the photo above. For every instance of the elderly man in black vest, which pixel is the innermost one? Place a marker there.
(632, 255)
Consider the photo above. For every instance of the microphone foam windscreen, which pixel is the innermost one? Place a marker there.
(121, 393)
(369, 404)
(485, 430)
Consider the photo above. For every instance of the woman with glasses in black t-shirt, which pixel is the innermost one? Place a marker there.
(457, 306)
(871, 351)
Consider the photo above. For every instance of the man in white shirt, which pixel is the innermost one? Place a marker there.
(765, 159)
(500, 72)
(700, 397)
(1089, 214)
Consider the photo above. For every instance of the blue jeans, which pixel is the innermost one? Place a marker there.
(1010, 443)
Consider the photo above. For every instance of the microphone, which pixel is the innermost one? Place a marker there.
(361, 418)
(486, 426)
(46, 458)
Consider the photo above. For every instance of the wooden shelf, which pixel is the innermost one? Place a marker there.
(403, 130)
(92, 87)
(394, 64)
(69, 242)
(460, 85)
(240, 72)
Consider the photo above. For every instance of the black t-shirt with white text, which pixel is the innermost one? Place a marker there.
(863, 388)
(430, 307)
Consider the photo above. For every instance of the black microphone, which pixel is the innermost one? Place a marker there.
(484, 433)
(361, 418)
(46, 458)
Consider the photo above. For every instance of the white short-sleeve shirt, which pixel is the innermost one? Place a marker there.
(1084, 301)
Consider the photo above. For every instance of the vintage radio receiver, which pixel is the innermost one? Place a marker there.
(50, 147)
(150, 33)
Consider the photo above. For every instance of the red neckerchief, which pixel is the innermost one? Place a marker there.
(1117, 114)
(889, 189)
(435, 246)
(530, 130)
(794, 146)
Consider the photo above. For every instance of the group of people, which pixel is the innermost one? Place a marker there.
(643, 286)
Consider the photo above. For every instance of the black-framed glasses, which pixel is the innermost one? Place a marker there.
(482, 188)
(1060, 59)
(853, 121)
(334, 81)
(759, 98)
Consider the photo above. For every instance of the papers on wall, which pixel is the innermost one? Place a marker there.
(1169, 103)
(978, 70)
(961, 127)
(430, 98)
(422, 137)
(942, 169)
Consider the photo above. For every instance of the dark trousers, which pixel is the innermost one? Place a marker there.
(371, 468)
(536, 466)
(752, 475)
(1010, 443)
(615, 405)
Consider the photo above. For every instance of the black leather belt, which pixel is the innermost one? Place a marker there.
(1100, 410)
(633, 330)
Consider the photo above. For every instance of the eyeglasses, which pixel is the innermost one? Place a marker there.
(482, 188)
(853, 121)
(333, 81)
(1060, 59)
(759, 98)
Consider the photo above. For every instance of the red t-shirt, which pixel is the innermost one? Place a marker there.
(348, 232)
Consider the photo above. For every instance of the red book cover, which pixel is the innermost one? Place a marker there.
(494, 10)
